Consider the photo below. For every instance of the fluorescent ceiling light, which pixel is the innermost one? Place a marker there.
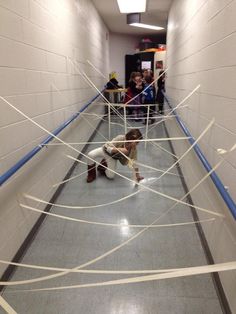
(146, 26)
(132, 6)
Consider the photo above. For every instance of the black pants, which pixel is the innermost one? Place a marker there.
(151, 110)
(160, 106)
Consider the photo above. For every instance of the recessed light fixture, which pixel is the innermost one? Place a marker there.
(134, 19)
(131, 6)
(141, 25)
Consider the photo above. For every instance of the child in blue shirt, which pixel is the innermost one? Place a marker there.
(149, 97)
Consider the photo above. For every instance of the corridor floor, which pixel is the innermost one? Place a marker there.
(67, 244)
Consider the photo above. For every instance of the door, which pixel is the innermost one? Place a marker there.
(132, 64)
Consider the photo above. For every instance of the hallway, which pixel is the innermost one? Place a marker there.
(68, 244)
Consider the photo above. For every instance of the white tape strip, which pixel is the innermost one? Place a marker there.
(190, 271)
(96, 69)
(193, 188)
(191, 147)
(156, 169)
(145, 187)
(100, 257)
(7, 306)
(137, 163)
(86, 78)
(164, 195)
(160, 139)
(131, 99)
(129, 240)
(83, 271)
(71, 178)
(164, 150)
(103, 255)
(155, 124)
(122, 142)
(43, 278)
(93, 85)
(77, 160)
(158, 193)
(110, 224)
(127, 104)
(85, 172)
(178, 106)
(82, 207)
(117, 112)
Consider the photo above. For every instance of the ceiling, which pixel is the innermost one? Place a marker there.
(156, 14)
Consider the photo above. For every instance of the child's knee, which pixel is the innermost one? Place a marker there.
(90, 154)
(109, 174)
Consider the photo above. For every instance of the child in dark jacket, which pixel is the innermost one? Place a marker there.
(135, 88)
(149, 97)
(161, 88)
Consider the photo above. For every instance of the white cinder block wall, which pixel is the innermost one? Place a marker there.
(40, 41)
(201, 50)
(201, 42)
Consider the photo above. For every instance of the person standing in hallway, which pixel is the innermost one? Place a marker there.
(135, 88)
(160, 90)
(149, 97)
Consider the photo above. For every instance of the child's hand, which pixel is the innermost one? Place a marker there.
(133, 144)
(139, 178)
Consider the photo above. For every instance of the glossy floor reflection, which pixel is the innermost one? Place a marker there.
(61, 243)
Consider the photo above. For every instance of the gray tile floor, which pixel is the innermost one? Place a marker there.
(61, 243)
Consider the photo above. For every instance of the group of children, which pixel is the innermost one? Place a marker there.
(141, 91)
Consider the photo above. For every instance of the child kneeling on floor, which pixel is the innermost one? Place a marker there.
(122, 148)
